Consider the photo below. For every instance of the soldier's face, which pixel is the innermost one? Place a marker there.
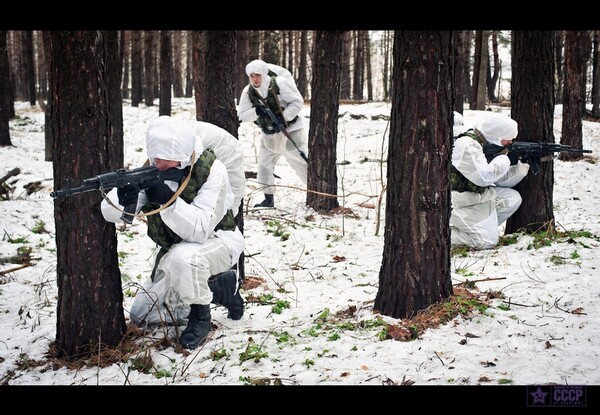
(163, 164)
(256, 79)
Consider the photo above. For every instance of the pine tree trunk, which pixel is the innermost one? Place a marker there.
(322, 169)
(415, 270)
(88, 125)
(532, 107)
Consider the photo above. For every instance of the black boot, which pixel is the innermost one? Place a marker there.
(225, 293)
(198, 326)
(268, 202)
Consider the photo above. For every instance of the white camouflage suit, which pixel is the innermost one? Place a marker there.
(273, 146)
(476, 217)
(182, 274)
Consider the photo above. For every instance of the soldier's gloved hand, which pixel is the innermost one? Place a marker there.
(531, 159)
(276, 128)
(513, 156)
(281, 120)
(128, 195)
(158, 192)
(260, 111)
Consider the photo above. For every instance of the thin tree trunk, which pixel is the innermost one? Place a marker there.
(577, 51)
(596, 76)
(166, 73)
(5, 92)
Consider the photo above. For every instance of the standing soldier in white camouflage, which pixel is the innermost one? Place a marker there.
(274, 87)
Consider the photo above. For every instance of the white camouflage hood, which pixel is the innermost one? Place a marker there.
(497, 128)
(260, 67)
(170, 139)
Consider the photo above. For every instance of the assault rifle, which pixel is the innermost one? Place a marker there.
(280, 125)
(531, 153)
(120, 178)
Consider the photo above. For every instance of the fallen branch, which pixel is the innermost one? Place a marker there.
(517, 304)
(468, 282)
(5, 189)
(7, 271)
(11, 173)
(23, 256)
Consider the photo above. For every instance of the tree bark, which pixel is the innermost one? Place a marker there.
(215, 53)
(596, 76)
(532, 107)
(415, 269)
(302, 66)
(150, 84)
(578, 47)
(88, 125)
(322, 141)
(166, 73)
(5, 92)
(480, 68)
(137, 69)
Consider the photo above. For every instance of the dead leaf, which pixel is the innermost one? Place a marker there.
(253, 282)
(366, 205)
(399, 333)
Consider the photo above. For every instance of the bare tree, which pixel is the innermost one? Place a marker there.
(5, 92)
(215, 99)
(150, 76)
(303, 65)
(41, 67)
(125, 55)
(177, 63)
(480, 68)
(189, 57)
(29, 67)
(346, 79)
(532, 107)
(322, 135)
(492, 77)
(578, 46)
(87, 122)
(287, 51)
(166, 73)
(48, 134)
(596, 75)
(415, 269)
(461, 70)
(387, 41)
(255, 42)
(369, 75)
(271, 47)
(216, 87)
(359, 66)
(559, 43)
(242, 59)
(137, 69)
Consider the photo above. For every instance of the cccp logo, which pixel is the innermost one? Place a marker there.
(556, 395)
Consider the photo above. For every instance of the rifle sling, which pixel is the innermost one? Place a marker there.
(171, 200)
